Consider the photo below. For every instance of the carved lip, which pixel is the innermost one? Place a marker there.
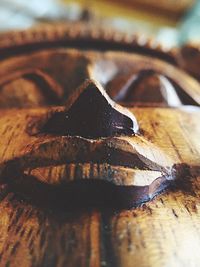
(127, 163)
(121, 170)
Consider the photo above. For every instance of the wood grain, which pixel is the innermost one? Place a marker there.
(36, 231)
(163, 232)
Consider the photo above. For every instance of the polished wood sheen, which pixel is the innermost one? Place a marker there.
(163, 232)
(114, 201)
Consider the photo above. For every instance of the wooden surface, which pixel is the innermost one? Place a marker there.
(163, 232)
(36, 232)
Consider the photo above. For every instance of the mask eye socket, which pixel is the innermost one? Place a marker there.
(139, 81)
(148, 88)
(29, 89)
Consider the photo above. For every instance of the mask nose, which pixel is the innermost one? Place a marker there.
(91, 113)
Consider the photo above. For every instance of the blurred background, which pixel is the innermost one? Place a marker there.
(171, 22)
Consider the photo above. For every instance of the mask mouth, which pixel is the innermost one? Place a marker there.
(121, 171)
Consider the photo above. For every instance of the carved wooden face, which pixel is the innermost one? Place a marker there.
(62, 131)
